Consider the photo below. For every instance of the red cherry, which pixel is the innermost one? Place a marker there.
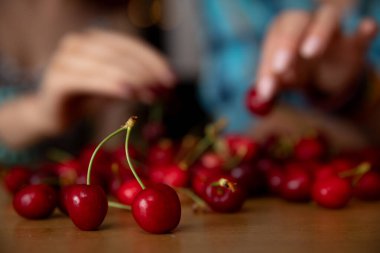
(157, 209)
(249, 177)
(224, 196)
(333, 192)
(175, 176)
(129, 190)
(68, 171)
(324, 172)
(87, 206)
(368, 186)
(161, 153)
(212, 160)
(62, 198)
(201, 177)
(296, 186)
(310, 148)
(257, 107)
(238, 145)
(35, 201)
(16, 178)
(275, 178)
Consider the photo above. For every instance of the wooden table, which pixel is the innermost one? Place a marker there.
(265, 225)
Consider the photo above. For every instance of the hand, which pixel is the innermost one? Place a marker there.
(302, 47)
(99, 64)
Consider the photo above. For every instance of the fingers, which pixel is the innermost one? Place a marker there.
(280, 51)
(365, 33)
(107, 64)
(324, 26)
(146, 55)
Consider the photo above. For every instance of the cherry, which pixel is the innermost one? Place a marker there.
(68, 171)
(157, 209)
(309, 148)
(249, 177)
(332, 192)
(201, 177)
(175, 176)
(239, 145)
(16, 178)
(87, 206)
(224, 196)
(275, 178)
(161, 153)
(368, 186)
(325, 172)
(297, 185)
(257, 107)
(35, 201)
(129, 190)
(212, 160)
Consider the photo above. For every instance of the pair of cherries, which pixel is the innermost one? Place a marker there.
(156, 208)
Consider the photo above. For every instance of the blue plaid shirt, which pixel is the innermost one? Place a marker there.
(231, 39)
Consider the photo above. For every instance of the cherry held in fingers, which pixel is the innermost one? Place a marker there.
(35, 201)
(256, 106)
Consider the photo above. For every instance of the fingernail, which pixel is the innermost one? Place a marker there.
(310, 47)
(281, 60)
(265, 88)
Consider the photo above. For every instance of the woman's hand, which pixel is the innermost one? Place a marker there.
(303, 47)
(101, 64)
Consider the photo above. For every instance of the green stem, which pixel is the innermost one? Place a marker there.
(129, 128)
(211, 132)
(119, 205)
(123, 128)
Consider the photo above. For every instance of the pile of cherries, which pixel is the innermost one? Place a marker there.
(219, 172)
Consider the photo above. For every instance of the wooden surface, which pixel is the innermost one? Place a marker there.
(265, 225)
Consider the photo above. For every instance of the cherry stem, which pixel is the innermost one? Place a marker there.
(223, 182)
(58, 155)
(199, 202)
(130, 123)
(237, 159)
(359, 170)
(119, 205)
(121, 129)
(211, 131)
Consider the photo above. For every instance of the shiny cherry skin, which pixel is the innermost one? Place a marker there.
(257, 107)
(157, 209)
(368, 186)
(296, 186)
(16, 178)
(332, 192)
(224, 200)
(129, 190)
(176, 176)
(35, 201)
(87, 206)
